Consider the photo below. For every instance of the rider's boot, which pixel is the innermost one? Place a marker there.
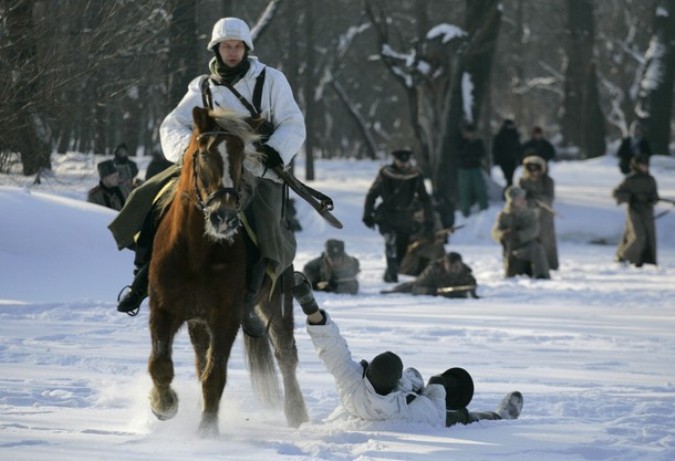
(130, 303)
(302, 292)
(250, 322)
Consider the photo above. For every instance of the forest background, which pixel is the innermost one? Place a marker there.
(369, 75)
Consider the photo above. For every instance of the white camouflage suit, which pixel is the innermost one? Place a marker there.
(279, 107)
(357, 394)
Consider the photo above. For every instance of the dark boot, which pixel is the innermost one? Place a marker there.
(250, 322)
(391, 274)
(302, 292)
(130, 303)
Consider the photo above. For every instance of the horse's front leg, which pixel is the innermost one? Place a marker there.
(163, 328)
(201, 339)
(214, 376)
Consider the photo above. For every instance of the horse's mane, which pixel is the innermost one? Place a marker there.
(237, 125)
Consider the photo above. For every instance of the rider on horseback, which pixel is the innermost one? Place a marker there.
(235, 82)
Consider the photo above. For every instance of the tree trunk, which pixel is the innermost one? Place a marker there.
(472, 68)
(310, 84)
(655, 95)
(582, 122)
(29, 134)
(183, 66)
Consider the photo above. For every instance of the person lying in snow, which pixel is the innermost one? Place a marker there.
(382, 389)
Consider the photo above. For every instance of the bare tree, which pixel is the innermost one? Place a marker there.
(25, 130)
(655, 101)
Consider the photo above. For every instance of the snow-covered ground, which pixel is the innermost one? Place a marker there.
(592, 350)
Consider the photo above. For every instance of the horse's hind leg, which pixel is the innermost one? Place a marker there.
(163, 328)
(286, 353)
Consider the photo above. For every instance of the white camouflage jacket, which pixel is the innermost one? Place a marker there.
(277, 105)
(357, 394)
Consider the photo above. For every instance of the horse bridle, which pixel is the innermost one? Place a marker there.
(203, 205)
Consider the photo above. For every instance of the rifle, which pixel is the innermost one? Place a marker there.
(440, 234)
(544, 206)
(319, 201)
(664, 212)
(471, 289)
(446, 290)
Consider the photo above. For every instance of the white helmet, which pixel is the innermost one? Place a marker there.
(230, 29)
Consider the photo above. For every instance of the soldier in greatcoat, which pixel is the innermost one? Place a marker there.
(108, 192)
(517, 229)
(539, 190)
(334, 271)
(638, 190)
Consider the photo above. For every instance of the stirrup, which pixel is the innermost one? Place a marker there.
(127, 291)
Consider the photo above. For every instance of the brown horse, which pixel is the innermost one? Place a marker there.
(198, 276)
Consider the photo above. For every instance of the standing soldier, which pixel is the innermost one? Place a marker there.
(517, 229)
(470, 157)
(506, 150)
(638, 190)
(539, 188)
(631, 146)
(400, 186)
(539, 145)
(334, 271)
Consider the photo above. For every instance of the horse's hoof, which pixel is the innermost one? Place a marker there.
(164, 405)
(208, 428)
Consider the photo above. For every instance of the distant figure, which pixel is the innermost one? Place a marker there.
(517, 229)
(540, 192)
(638, 190)
(334, 271)
(400, 186)
(471, 154)
(158, 164)
(632, 145)
(447, 276)
(538, 145)
(127, 168)
(108, 192)
(506, 150)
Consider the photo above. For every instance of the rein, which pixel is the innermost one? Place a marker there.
(220, 191)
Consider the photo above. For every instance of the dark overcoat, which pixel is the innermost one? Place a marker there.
(638, 243)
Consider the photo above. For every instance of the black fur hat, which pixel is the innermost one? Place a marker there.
(384, 372)
(402, 155)
(640, 159)
(458, 388)
(106, 168)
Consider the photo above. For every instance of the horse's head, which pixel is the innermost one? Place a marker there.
(221, 184)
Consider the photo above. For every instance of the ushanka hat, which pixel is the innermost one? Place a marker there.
(402, 155)
(106, 168)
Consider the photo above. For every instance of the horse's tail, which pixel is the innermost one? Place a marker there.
(264, 379)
